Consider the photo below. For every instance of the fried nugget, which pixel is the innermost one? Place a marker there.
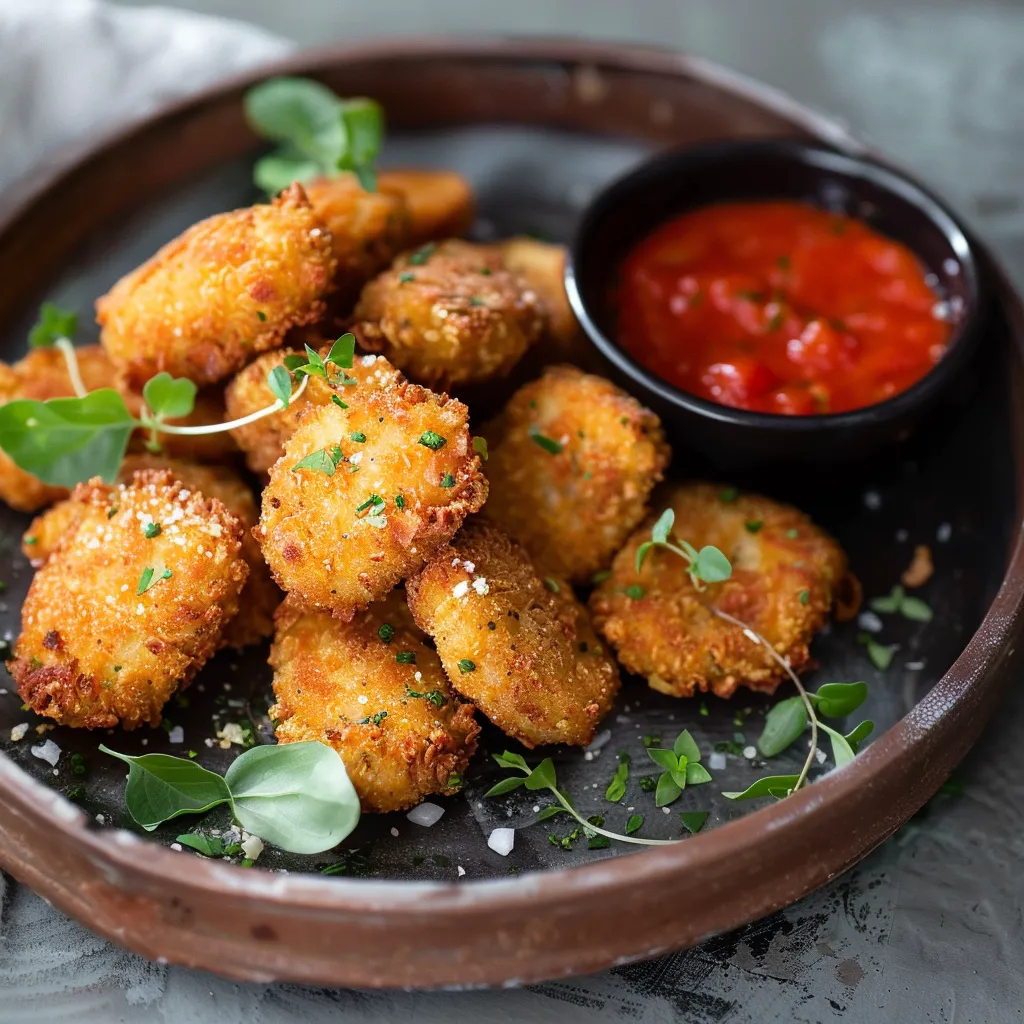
(786, 572)
(572, 462)
(441, 204)
(229, 287)
(521, 648)
(397, 724)
(364, 495)
(41, 375)
(449, 315)
(263, 441)
(116, 620)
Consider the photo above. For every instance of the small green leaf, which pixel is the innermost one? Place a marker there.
(323, 460)
(881, 655)
(634, 592)
(667, 791)
(434, 441)
(915, 609)
(770, 785)
(686, 746)
(663, 527)
(617, 787)
(509, 760)
(363, 120)
(697, 774)
(343, 351)
(666, 759)
(505, 786)
(679, 776)
(837, 700)
(693, 821)
(466, 666)
(859, 733)
(543, 776)
(294, 362)
(169, 397)
(300, 112)
(297, 796)
(642, 552)
(480, 447)
(549, 444)
(842, 752)
(386, 632)
(275, 171)
(209, 846)
(550, 812)
(161, 787)
(754, 525)
(421, 255)
(67, 440)
(728, 495)
(634, 824)
(711, 565)
(53, 323)
(888, 604)
(279, 380)
(783, 725)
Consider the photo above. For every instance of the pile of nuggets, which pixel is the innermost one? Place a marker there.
(426, 574)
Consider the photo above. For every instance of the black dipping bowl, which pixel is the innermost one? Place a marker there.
(683, 179)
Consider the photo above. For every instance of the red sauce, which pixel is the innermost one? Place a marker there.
(779, 307)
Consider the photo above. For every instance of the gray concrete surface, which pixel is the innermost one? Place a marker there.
(929, 928)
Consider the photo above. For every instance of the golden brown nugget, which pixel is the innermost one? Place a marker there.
(786, 572)
(263, 441)
(375, 691)
(572, 462)
(41, 375)
(440, 204)
(449, 314)
(368, 229)
(522, 649)
(116, 620)
(397, 477)
(228, 288)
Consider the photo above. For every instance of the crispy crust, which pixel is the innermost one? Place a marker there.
(539, 673)
(450, 316)
(441, 204)
(227, 288)
(93, 652)
(332, 678)
(573, 510)
(670, 635)
(263, 441)
(318, 545)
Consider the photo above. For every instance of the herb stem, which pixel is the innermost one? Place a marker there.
(67, 350)
(610, 835)
(787, 668)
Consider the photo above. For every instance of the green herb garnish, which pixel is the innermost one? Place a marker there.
(429, 439)
(708, 565)
(551, 446)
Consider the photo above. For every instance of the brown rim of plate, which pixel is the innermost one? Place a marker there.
(257, 925)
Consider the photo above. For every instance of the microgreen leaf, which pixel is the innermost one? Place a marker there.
(53, 323)
(888, 604)
(432, 440)
(342, 351)
(837, 700)
(881, 655)
(67, 440)
(663, 527)
(697, 774)
(480, 447)
(276, 171)
(508, 760)
(161, 787)
(668, 790)
(210, 846)
(505, 786)
(543, 776)
(770, 785)
(297, 111)
(783, 725)
(279, 380)
(711, 565)
(169, 397)
(549, 444)
(686, 746)
(693, 821)
(323, 460)
(842, 752)
(293, 362)
(642, 552)
(297, 796)
(915, 609)
(363, 120)
(617, 787)
(547, 812)
(634, 824)
(860, 733)
(663, 758)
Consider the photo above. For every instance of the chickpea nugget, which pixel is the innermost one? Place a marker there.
(41, 375)
(786, 572)
(263, 441)
(260, 595)
(440, 203)
(449, 314)
(229, 287)
(364, 495)
(375, 691)
(123, 614)
(521, 649)
(572, 462)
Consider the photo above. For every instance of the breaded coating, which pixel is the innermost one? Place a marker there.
(260, 595)
(41, 375)
(93, 650)
(228, 288)
(449, 314)
(209, 408)
(368, 229)
(521, 648)
(572, 462)
(263, 441)
(786, 572)
(403, 476)
(397, 725)
(441, 204)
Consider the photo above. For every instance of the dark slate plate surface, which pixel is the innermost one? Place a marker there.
(954, 478)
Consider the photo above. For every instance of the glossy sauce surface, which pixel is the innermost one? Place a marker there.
(779, 307)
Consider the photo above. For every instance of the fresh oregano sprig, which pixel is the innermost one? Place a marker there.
(708, 565)
(681, 766)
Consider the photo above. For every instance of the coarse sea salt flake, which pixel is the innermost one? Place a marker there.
(426, 814)
(18, 732)
(461, 589)
(717, 761)
(176, 735)
(47, 751)
(480, 586)
(502, 840)
(252, 847)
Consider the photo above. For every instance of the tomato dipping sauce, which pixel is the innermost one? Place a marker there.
(779, 307)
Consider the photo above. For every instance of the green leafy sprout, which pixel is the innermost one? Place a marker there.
(708, 565)
(318, 133)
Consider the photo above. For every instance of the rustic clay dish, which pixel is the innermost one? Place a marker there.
(538, 128)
